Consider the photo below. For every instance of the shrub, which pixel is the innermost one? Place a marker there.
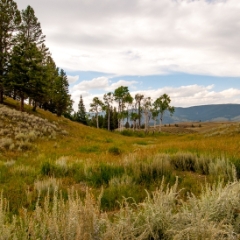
(114, 150)
(32, 135)
(47, 169)
(127, 133)
(101, 174)
(48, 184)
(6, 143)
(161, 215)
(183, 161)
(127, 125)
(24, 145)
(21, 136)
(23, 170)
(9, 163)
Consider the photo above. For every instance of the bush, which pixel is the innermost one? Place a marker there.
(48, 184)
(24, 145)
(47, 169)
(100, 175)
(6, 143)
(114, 150)
(127, 133)
(127, 125)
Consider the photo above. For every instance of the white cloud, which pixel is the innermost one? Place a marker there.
(183, 96)
(96, 83)
(102, 84)
(194, 95)
(142, 37)
(120, 83)
(72, 79)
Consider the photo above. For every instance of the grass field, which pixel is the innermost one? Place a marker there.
(62, 180)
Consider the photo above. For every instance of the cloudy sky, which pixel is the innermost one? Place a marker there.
(188, 49)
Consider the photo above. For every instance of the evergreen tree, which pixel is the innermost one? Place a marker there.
(100, 121)
(9, 20)
(81, 114)
(30, 29)
(61, 98)
(26, 75)
(38, 81)
(18, 76)
(51, 74)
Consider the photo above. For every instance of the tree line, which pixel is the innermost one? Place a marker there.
(120, 109)
(28, 72)
(27, 69)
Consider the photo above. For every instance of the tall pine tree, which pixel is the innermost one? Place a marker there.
(9, 21)
(26, 75)
(61, 96)
(81, 113)
(51, 72)
(38, 81)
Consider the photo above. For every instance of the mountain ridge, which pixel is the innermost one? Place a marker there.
(204, 113)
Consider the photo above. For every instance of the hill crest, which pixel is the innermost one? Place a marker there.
(205, 113)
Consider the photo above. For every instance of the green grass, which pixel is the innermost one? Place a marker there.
(130, 170)
(89, 149)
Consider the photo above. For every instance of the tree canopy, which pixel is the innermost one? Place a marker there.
(27, 70)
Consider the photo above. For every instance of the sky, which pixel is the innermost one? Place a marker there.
(188, 49)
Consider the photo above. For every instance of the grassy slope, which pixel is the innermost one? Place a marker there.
(87, 158)
(90, 147)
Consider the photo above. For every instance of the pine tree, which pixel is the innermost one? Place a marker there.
(30, 29)
(51, 75)
(9, 20)
(38, 80)
(81, 114)
(18, 76)
(61, 98)
(26, 75)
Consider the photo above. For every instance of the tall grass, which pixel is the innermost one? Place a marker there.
(162, 215)
(44, 158)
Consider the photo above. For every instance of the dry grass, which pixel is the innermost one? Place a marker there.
(78, 155)
(162, 215)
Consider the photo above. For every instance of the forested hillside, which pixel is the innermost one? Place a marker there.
(27, 70)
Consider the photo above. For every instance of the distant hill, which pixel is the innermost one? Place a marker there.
(205, 113)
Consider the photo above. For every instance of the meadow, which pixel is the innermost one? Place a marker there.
(63, 180)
